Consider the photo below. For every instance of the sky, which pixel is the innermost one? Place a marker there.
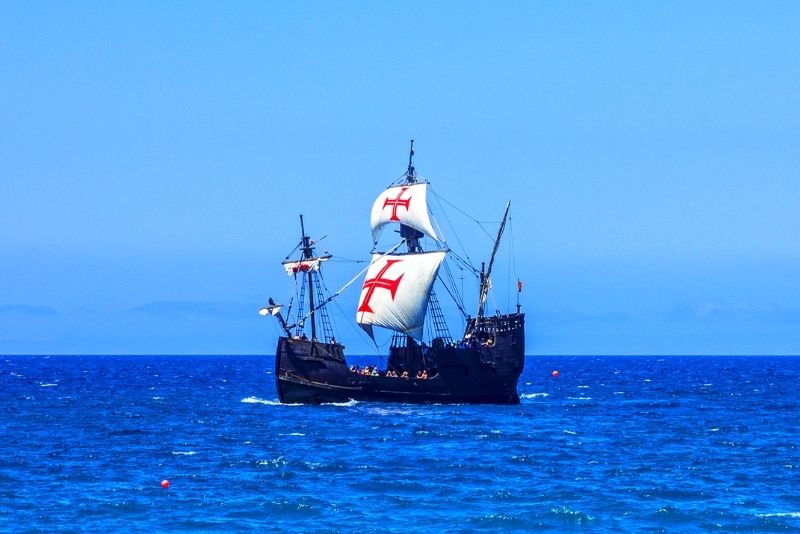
(155, 156)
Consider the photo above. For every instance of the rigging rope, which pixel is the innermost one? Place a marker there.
(357, 329)
(346, 222)
(457, 299)
(340, 259)
(348, 284)
(467, 215)
(293, 250)
(452, 228)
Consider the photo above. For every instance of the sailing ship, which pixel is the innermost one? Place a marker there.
(482, 366)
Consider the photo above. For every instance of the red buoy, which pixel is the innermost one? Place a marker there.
(555, 373)
(165, 483)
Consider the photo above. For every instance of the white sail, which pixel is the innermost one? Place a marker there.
(396, 291)
(270, 310)
(405, 204)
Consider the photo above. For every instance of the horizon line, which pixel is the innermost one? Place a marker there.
(627, 355)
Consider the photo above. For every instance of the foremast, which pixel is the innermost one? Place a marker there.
(308, 254)
(307, 268)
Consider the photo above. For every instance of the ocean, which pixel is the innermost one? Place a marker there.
(651, 444)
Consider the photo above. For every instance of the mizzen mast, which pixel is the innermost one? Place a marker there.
(485, 280)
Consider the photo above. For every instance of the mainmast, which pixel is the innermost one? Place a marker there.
(485, 280)
(398, 287)
(411, 235)
(308, 254)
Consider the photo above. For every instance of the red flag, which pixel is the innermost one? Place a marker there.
(519, 285)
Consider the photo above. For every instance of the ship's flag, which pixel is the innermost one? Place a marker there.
(519, 285)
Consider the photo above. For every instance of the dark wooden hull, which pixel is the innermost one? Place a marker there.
(468, 372)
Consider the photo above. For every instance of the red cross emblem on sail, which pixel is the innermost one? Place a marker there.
(397, 202)
(378, 282)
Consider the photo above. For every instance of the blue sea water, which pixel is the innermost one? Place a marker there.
(653, 444)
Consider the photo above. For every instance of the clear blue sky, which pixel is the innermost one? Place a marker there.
(154, 158)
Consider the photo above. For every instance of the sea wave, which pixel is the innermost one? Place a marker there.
(572, 516)
(793, 515)
(256, 400)
(533, 395)
(545, 464)
(279, 461)
(351, 402)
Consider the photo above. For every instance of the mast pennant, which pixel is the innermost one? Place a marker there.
(396, 291)
(404, 204)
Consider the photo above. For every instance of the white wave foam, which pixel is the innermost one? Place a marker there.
(351, 402)
(256, 400)
(48, 385)
(275, 462)
(184, 453)
(533, 395)
(157, 398)
(292, 434)
(793, 515)
(714, 430)
(570, 432)
(619, 393)
(583, 387)
(389, 411)
(579, 398)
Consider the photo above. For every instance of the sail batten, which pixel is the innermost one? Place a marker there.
(396, 291)
(404, 204)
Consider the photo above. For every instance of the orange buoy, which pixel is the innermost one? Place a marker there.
(165, 483)
(555, 373)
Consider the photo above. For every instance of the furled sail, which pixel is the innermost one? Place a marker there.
(404, 204)
(303, 266)
(396, 291)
